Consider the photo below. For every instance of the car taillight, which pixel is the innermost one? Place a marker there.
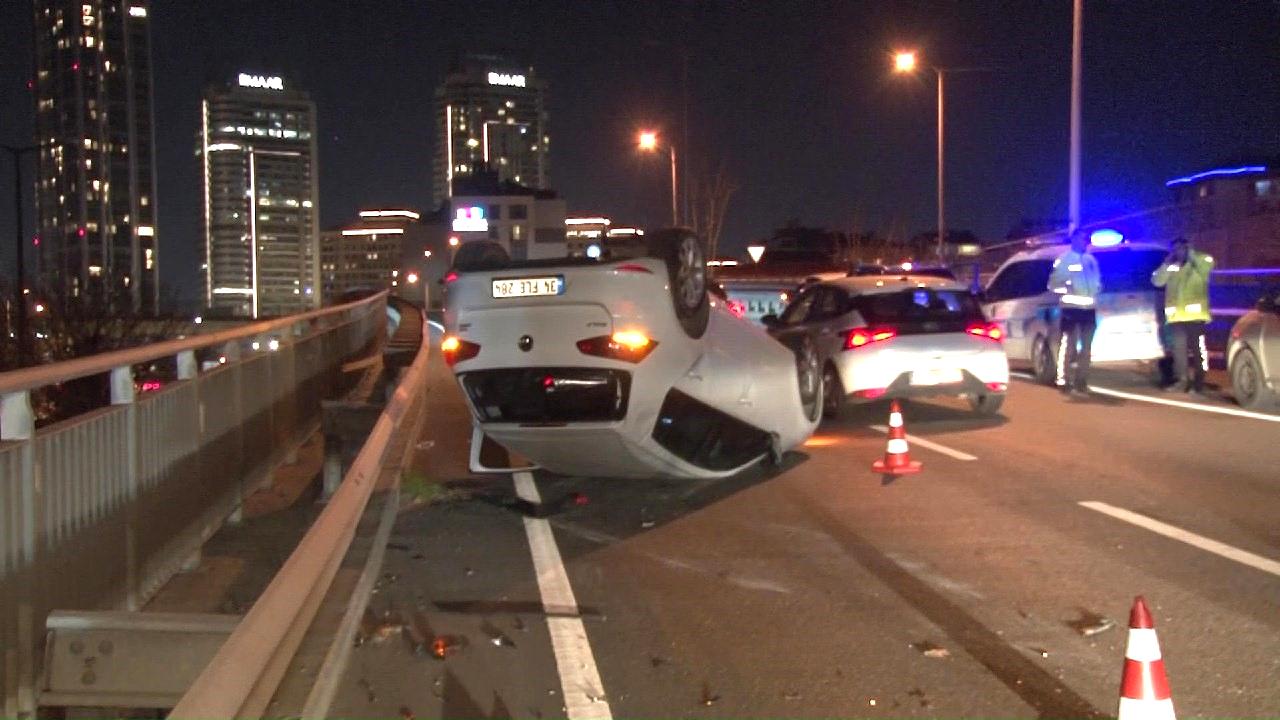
(871, 393)
(997, 386)
(632, 267)
(450, 276)
(629, 346)
(737, 307)
(860, 337)
(986, 330)
(456, 350)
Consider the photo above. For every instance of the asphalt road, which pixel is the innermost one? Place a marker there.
(973, 589)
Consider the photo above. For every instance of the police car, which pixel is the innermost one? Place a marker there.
(1019, 300)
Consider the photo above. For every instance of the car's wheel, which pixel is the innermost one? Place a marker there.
(1247, 384)
(687, 277)
(809, 377)
(1043, 365)
(986, 403)
(832, 392)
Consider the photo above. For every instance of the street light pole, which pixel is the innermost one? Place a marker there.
(942, 215)
(1077, 48)
(20, 245)
(675, 206)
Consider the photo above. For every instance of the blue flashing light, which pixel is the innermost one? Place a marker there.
(1106, 237)
(1244, 170)
(593, 252)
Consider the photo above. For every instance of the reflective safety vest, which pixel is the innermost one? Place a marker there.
(1186, 288)
(1076, 278)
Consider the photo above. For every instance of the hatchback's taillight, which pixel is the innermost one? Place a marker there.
(737, 307)
(861, 337)
(987, 330)
(450, 276)
(629, 346)
(456, 350)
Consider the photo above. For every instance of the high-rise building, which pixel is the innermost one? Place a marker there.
(95, 187)
(261, 214)
(490, 111)
(379, 251)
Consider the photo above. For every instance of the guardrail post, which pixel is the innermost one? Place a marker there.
(123, 393)
(17, 423)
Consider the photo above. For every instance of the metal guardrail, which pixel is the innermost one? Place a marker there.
(241, 679)
(99, 510)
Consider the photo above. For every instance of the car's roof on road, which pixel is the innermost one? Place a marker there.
(874, 284)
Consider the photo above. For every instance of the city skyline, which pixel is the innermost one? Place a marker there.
(801, 104)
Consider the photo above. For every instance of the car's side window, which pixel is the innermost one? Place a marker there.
(798, 310)
(828, 305)
(1019, 280)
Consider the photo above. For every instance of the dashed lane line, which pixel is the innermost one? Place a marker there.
(1174, 403)
(584, 696)
(951, 452)
(1244, 557)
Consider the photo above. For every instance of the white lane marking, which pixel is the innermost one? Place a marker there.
(1175, 403)
(1244, 557)
(579, 677)
(952, 452)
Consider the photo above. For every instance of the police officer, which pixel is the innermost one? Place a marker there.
(1184, 275)
(1077, 281)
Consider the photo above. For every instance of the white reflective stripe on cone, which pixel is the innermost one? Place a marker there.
(895, 419)
(1143, 645)
(897, 446)
(1131, 709)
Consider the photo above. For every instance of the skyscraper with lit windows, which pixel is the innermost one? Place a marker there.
(261, 211)
(490, 111)
(95, 186)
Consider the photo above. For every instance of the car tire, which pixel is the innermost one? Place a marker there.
(986, 403)
(809, 379)
(681, 251)
(1043, 365)
(1247, 384)
(833, 398)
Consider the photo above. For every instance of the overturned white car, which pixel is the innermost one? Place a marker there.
(623, 367)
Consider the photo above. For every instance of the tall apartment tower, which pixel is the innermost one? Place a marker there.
(490, 111)
(261, 211)
(95, 185)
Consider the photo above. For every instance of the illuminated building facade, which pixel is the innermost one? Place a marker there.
(379, 251)
(490, 112)
(95, 186)
(261, 210)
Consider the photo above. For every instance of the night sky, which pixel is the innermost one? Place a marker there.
(796, 98)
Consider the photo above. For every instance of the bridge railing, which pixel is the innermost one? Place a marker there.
(99, 510)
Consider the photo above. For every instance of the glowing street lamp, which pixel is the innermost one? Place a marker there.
(904, 62)
(648, 142)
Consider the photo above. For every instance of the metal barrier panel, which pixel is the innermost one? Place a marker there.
(96, 511)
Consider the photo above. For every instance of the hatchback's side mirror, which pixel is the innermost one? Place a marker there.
(769, 320)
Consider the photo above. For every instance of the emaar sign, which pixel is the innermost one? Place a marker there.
(262, 82)
(507, 79)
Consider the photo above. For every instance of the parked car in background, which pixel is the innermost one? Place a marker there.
(897, 337)
(1018, 299)
(1253, 355)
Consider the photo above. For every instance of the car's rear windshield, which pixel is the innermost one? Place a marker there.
(1128, 270)
(920, 310)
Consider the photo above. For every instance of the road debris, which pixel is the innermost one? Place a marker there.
(518, 623)
(397, 546)
(406, 713)
(930, 650)
(425, 445)
(1090, 623)
(368, 690)
(417, 634)
(792, 695)
(496, 636)
(1041, 652)
(657, 661)
(445, 645)
(708, 699)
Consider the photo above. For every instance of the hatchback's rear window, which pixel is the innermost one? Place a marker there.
(920, 310)
(1127, 270)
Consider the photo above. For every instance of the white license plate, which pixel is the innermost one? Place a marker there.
(936, 376)
(528, 287)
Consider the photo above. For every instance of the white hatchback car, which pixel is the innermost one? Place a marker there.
(882, 336)
(1018, 298)
(623, 368)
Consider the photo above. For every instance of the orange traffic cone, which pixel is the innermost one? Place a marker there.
(1144, 688)
(897, 455)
